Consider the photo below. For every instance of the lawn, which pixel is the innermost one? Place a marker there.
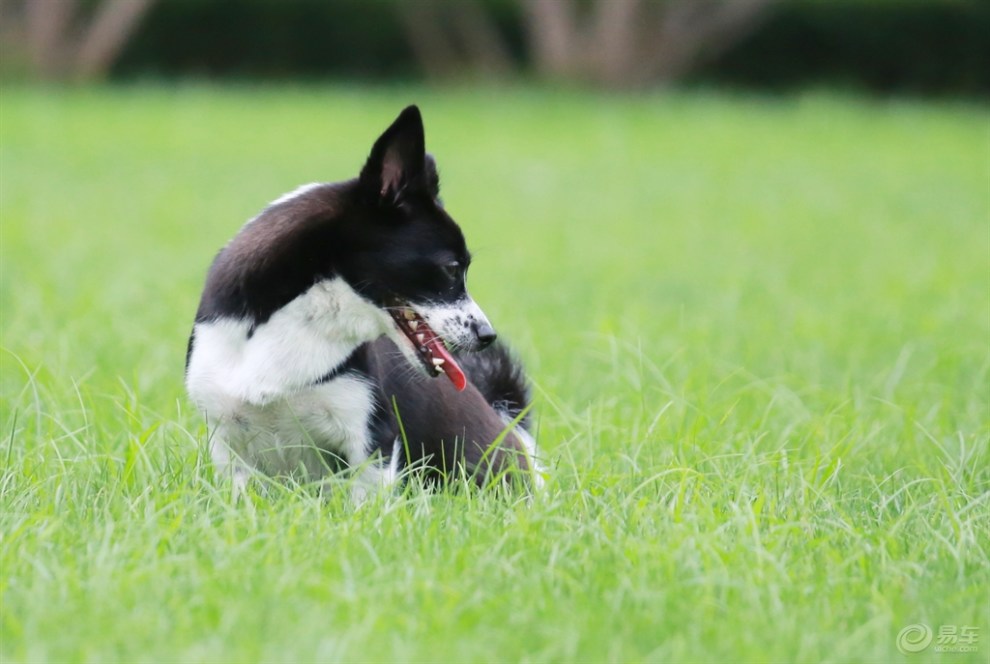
(758, 331)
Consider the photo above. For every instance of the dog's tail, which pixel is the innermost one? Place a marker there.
(499, 377)
(501, 380)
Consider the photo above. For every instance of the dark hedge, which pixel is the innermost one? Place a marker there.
(928, 47)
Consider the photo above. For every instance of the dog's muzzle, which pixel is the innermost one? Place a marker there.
(484, 333)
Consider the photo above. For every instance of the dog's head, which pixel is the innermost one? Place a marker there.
(409, 257)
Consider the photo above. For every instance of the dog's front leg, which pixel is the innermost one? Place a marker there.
(228, 464)
(377, 474)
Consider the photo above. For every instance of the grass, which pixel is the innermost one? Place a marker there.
(759, 331)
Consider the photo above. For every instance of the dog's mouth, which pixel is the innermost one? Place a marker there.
(428, 345)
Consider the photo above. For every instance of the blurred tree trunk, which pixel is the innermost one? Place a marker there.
(63, 41)
(633, 43)
(451, 38)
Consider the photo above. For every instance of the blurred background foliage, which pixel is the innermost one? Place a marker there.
(884, 46)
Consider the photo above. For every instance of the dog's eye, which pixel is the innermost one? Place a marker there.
(451, 270)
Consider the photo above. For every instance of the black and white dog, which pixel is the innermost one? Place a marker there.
(324, 322)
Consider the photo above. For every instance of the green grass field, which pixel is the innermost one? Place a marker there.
(758, 329)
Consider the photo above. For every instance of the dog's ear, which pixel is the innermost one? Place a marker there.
(397, 164)
(432, 178)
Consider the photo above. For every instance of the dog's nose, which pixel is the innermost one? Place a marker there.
(485, 334)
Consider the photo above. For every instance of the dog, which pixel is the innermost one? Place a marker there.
(335, 331)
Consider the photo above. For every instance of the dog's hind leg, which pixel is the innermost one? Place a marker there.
(529, 449)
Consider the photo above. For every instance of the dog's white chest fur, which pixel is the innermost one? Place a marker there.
(289, 435)
(260, 389)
